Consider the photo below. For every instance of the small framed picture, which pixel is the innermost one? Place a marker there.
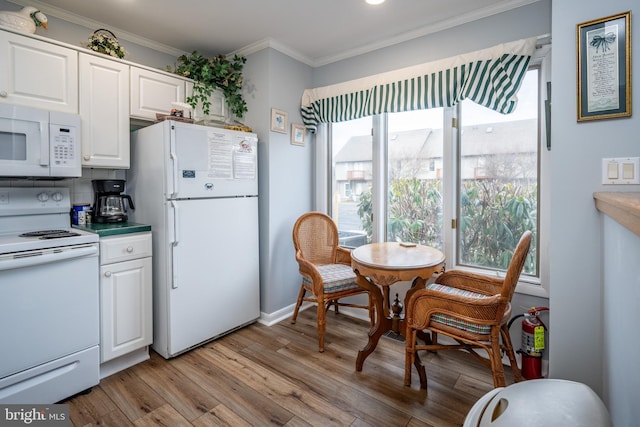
(298, 133)
(278, 120)
(604, 68)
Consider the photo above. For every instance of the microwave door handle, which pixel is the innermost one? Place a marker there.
(174, 244)
(44, 146)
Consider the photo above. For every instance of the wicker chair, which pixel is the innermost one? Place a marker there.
(325, 267)
(472, 309)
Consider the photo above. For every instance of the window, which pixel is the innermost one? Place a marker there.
(414, 183)
(417, 172)
(351, 179)
(498, 181)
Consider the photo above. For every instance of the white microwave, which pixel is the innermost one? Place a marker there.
(37, 143)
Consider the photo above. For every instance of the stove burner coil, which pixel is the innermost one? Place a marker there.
(50, 234)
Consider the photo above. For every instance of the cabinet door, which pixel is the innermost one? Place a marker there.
(38, 74)
(104, 110)
(153, 93)
(217, 110)
(126, 314)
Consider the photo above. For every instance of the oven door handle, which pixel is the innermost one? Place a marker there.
(45, 258)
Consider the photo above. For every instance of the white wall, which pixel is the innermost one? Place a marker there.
(274, 80)
(577, 339)
(621, 302)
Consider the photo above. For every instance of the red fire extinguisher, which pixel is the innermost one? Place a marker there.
(532, 342)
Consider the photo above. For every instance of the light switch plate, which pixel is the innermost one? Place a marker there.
(621, 171)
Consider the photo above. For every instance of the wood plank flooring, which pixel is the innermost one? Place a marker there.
(263, 376)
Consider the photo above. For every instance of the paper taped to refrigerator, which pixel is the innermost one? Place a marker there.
(231, 158)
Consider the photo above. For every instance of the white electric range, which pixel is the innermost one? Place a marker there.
(49, 312)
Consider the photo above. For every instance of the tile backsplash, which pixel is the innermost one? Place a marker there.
(80, 188)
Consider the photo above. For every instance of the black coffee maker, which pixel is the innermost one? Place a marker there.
(109, 202)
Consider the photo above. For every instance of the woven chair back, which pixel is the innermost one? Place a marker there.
(516, 265)
(316, 236)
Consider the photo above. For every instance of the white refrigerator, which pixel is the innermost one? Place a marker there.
(197, 187)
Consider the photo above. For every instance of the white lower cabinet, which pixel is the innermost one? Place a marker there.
(125, 298)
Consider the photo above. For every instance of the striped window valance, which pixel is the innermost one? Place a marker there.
(490, 77)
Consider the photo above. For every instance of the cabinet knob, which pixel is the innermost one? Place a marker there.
(107, 274)
(87, 158)
(3, 93)
(130, 249)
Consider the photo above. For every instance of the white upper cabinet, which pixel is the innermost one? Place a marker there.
(38, 74)
(104, 110)
(217, 110)
(153, 93)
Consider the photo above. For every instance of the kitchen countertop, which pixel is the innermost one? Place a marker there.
(622, 207)
(114, 229)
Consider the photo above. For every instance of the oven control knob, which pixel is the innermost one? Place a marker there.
(43, 197)
(57, 196)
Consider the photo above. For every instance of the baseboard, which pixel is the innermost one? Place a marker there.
(270, 319)
(358, 313)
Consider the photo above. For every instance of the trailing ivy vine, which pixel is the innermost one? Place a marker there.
(211, 73)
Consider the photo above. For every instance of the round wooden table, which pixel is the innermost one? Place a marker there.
(380, 265)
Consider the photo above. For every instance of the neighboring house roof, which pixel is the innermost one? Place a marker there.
(496, 138)
(405, 145)
(491, 138)
(357, 149)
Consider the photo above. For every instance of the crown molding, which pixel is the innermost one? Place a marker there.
(274, 44)
(50, 10)
(424, 31)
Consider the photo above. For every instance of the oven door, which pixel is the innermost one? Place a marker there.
(24, 141)
(48, 312)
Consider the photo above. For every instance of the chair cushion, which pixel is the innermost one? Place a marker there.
(336, 278)
(455, 322)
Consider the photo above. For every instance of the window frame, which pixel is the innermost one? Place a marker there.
(455, 254)
(529, 285)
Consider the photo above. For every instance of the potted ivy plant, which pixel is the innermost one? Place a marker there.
(211, 73)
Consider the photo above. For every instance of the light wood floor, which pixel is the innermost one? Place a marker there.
(261, 376)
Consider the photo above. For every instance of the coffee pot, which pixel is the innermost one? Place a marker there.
(109, 202)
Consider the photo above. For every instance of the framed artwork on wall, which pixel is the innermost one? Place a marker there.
(604, 68)
(278, 120)
(298, 134)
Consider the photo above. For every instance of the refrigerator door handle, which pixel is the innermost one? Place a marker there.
(176, 236)
(174, 166)
(174, 242)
